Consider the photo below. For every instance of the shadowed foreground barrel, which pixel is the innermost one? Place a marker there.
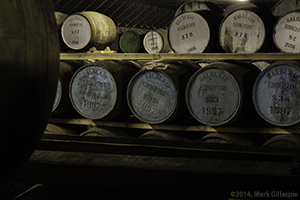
(156, 93)
(98, 90)
(220, 93)
(276, 94)
(29, 72)
(84, 30)
(247, 30)
(195, 32)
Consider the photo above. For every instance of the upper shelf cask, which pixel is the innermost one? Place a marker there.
(84, 30)
(247, 30)
(195, 32)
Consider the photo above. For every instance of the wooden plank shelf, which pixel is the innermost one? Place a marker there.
(135, 124)
(177, 56)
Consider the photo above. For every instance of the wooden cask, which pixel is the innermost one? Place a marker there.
(198, 5)
(103, 132)
(29, 72)
(131, 42)
(225, 138)
(156, 41)
(98, 90)
(162, 135)
(220, 93)
(62, 103)
(156, 93)
(62, 129)
(84, 30)
(286, 141)
(286, 34)
(283, 7)
(244, 5)
(276, 94)
(247, 30)
(60, 18)
(195, 32)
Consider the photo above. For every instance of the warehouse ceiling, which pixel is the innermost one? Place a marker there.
(141, 14)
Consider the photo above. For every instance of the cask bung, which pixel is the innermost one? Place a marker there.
(195, 32)
(84, 30)
(276, 94)
(198, 5)
(98, 90)
(225, 138)
(156, 93)
(156, 41)
(286, 34)
(220, 93)
(29, 73)
(247, 30)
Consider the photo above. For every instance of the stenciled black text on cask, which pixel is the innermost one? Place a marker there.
(276, 96)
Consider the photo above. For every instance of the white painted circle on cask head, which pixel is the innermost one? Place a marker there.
(189, 33)
(93, 92)
(276, 94)
(76, 32)
(152, 96)
(153, 42)
(213, 96)
(286, 33)
(242, 31)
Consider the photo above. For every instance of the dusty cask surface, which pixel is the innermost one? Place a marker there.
(98, 90)
(286, 33)
(155, 93)
(218, 94)
(195, 32)
(276, 94)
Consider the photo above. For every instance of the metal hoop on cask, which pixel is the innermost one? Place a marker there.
(83, 30)
(219, 93)
(276, 96)
(98, 90)
(156, 93)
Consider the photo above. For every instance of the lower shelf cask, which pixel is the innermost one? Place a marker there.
(225, 138)
(156, 93)
(220, 93)
(104, 132)
(287, 141)
(276, 94)
(98, 90)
